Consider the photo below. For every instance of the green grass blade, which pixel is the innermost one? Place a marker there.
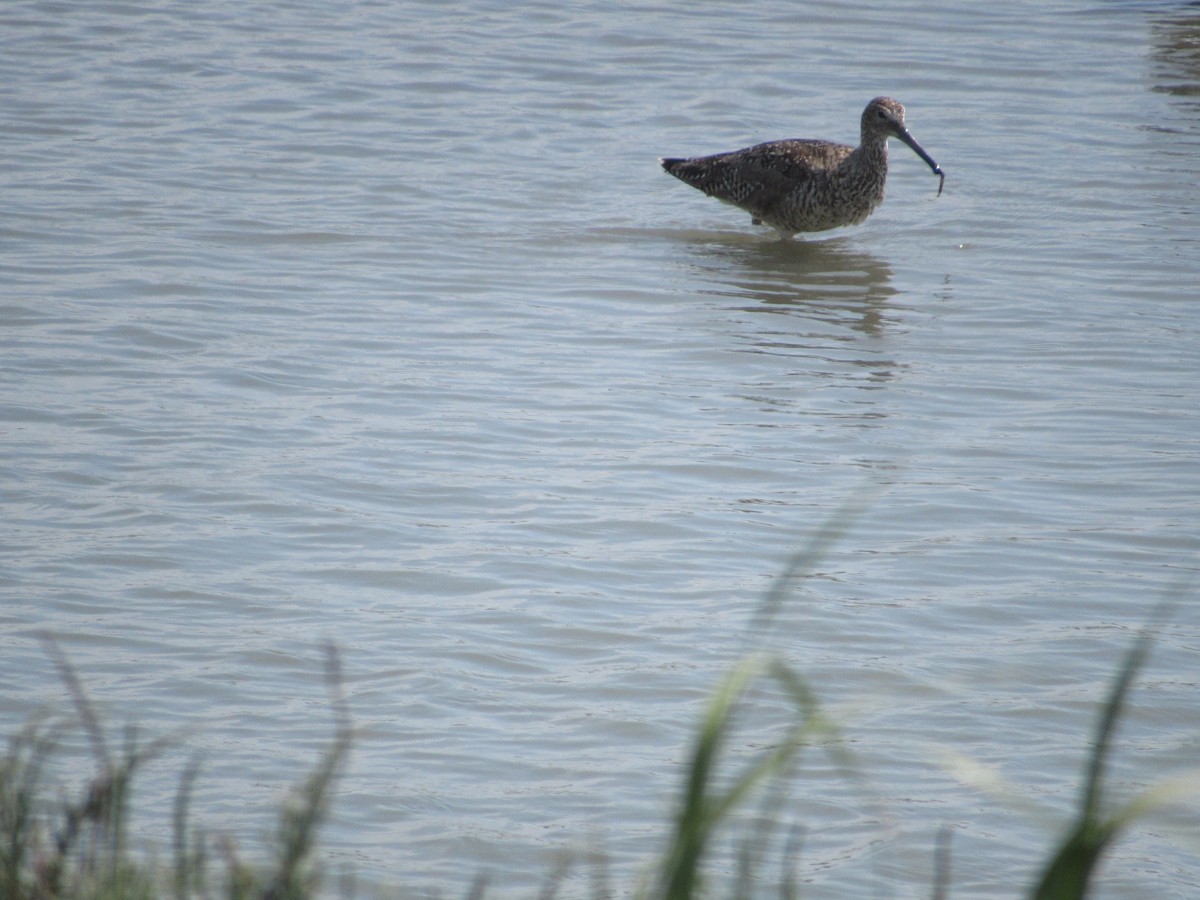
(1070, 870)
(706, 803)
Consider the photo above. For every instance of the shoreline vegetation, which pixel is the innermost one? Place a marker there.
(56, 847)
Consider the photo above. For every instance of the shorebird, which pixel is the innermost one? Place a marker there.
(806, 185)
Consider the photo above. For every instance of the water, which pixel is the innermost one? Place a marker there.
(378, 323)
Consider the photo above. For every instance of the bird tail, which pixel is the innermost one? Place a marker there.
(699, 173)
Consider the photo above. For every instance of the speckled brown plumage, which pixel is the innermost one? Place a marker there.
(806, 185)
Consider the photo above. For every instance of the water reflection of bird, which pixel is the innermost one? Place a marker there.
(806, 185)
(828, 281)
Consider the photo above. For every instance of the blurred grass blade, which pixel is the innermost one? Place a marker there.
(801, 563)
(696, 819)
(706, 804)
(1069, 872)
(295, 876)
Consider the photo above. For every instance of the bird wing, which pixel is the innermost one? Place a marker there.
(758, 176)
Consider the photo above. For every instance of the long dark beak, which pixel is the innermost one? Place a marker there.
(920, 151)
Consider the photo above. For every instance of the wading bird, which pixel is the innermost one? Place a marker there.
(806, 185)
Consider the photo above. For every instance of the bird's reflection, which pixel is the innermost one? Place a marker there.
(822, 304)
(830, 280)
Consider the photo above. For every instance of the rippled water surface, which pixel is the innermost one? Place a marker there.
(378, 323)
